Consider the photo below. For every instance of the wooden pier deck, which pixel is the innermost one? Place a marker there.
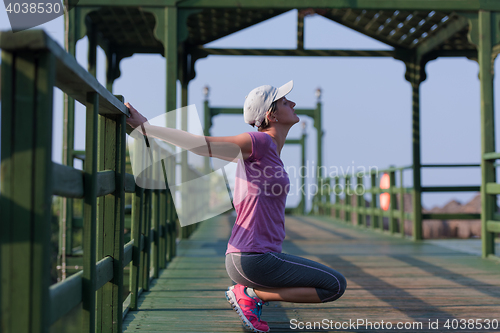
(388, 279)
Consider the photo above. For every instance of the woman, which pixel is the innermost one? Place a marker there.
(253, 258)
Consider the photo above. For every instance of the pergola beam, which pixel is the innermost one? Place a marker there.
(297, 52)
(442, 35)
(438, 5)
(332, 53)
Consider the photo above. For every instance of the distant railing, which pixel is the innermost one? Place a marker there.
(32, 64)
(349, 210)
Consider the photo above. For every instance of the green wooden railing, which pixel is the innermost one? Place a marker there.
(354, 211)
(32, 65)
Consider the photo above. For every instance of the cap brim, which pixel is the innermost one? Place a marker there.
(283, 90)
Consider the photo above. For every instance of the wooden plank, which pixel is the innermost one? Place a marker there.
(127, 252)
(129, 183)
(493, 226)
(390, 279)
(104, 272)
(457, 216)
(451, 188)
(65, 296)
(67, 181)
(493, 188)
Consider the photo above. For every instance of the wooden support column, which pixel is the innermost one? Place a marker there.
(415, 75)
(26, 190)
(185, 231)
(66, 213)
(488, 201)
(170, 45)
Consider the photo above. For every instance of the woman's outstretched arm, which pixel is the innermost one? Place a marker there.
(229, 148)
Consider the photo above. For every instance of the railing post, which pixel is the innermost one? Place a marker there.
(146, 263)
(155, 220)
(90, 215)
(328, 201)
(26, 190)
(135, 265)
(392, 195)
(337, 198)
(373, 203)
(348, 208)
(401, 205)
(163, 229)
(360, 202)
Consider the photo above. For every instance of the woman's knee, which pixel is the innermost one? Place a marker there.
(337, 289)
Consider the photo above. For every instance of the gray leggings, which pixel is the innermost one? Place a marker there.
(280, 270)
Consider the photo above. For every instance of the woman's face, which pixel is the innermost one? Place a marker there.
(285, 112)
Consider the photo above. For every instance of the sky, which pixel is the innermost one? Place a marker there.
(366, 102)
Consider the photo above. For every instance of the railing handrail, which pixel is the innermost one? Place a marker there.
(70, 77)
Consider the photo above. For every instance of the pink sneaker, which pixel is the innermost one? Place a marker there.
(248, 308)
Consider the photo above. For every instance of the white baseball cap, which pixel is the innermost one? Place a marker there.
(259, 100)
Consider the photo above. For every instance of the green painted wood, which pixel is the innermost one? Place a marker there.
(337, 198)
(457, 216)
(127, 252)
(6, 187)
(443, 5)
(26, 188)
(347, 199)
(450, 189)
(65, 296)
(291, 52)
(360, 202)
(491, 156)
(414, 68)
(42, 188)
(442, 35)
(71, 78)
(163, 228)
(488, 201)
(493, 188)
(393, 227)
(129, 183)
(373, 203)
(493, 226)
(90, 216)
(104, 272)
(146, 260)
(136, 228)
(155, 246)
(401, 204)
(67, 181)
(105, 183)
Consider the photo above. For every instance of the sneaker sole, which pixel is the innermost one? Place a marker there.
(231, 298)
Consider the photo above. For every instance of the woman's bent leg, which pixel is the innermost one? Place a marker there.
(284, 277)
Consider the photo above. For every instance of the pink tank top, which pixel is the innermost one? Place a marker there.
(261, 188)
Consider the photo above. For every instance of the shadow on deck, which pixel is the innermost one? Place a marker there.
(388, 279)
